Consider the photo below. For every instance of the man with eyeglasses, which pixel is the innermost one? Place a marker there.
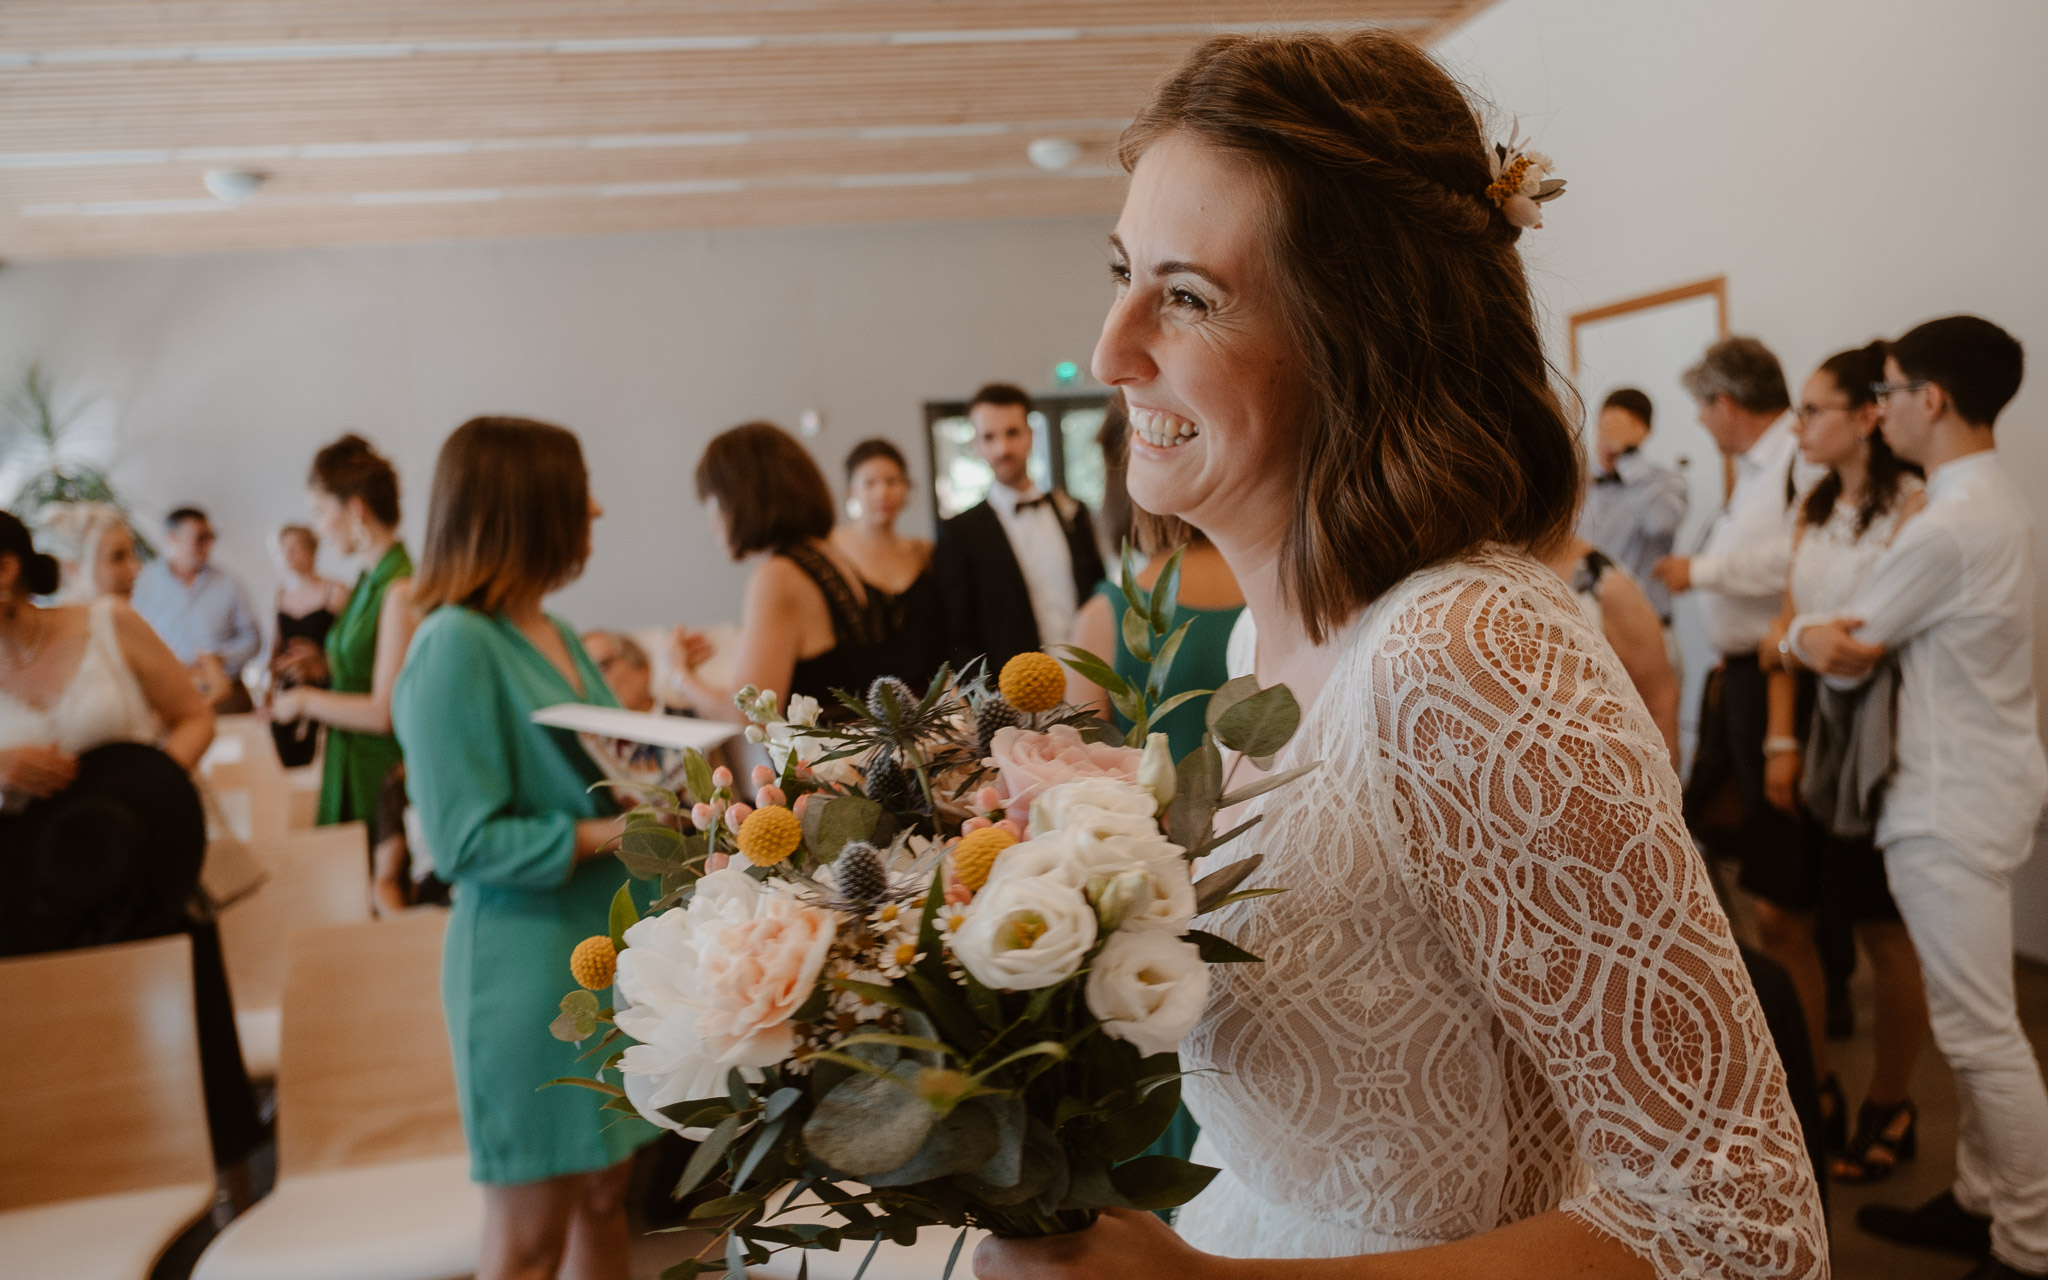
(199, 610)
(1953, 598)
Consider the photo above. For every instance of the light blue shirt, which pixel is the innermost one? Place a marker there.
(1632, 514)
(210, 616)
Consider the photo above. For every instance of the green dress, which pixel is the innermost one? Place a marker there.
(1202, 663)
(499, 797)
(353, 775)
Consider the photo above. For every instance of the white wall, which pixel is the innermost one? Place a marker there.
(213, 379)
(1852, 166)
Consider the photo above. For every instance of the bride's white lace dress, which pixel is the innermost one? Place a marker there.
(1500, 982)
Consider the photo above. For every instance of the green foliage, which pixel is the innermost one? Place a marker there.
(578, 1019)
(33, 433)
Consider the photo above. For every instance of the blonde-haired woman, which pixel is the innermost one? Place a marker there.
(94, 545)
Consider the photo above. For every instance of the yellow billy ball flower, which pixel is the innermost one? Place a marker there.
(976, 854)
(770, 834)
(594, 963)
(1033, 682)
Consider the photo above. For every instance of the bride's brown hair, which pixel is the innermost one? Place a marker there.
(1434, 427)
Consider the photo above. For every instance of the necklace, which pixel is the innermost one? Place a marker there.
(21, 658)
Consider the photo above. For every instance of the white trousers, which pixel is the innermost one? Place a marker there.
(1959, 913)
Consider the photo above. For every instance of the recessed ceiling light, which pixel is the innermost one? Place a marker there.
(233, 186)
(1053, 153)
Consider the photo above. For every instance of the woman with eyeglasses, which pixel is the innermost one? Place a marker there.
(1844, 525)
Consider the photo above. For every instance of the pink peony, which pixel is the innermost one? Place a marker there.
(1030, 761)
(757, 973)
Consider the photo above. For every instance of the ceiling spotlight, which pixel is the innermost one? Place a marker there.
(1053, 153)
(233, 186)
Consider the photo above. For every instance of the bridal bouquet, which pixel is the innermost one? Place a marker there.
(935, 973)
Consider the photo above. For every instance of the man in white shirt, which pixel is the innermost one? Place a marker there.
(1954, 598)
(1633, 506)
(1739, 579)
(1015, 569)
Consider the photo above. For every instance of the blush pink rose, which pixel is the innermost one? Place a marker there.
(1029, 761)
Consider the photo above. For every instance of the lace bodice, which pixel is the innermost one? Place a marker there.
(102, 703)
(1500, 982)
(1832, 558)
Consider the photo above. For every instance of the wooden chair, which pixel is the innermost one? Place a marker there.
(104, 1155)
(373, 1175)
(311, 878)
(252, 790)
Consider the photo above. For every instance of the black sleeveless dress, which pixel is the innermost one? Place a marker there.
(917, 630)
(861, 648)
(299, 741)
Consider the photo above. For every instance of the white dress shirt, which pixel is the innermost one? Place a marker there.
(1040, 544)
(1739, 575)
(1954, 598)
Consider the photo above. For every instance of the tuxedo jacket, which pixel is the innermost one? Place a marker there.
(988, 607)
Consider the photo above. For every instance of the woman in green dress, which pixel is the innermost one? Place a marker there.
(353, 491)
(510, 821)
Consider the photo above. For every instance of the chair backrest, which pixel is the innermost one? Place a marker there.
(99, 1080)
(312, 878)
(364, 1074)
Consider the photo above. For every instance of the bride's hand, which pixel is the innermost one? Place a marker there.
(1123, 1242)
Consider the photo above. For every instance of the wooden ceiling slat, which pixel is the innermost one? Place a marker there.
(86, 88)
(106, 24)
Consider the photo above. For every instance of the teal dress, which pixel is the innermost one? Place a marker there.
(352, 774)
(499, 798)
(1202, 663)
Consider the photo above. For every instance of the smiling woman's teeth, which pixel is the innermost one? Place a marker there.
(1162, 430)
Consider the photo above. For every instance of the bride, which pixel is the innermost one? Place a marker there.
(1501, 1027)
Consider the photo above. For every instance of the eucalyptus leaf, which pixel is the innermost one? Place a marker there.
(1261, 724)
(841, 821)
(1216, 950)
(964, 1139)
(1265, 784)
(1160, 1182)
(1232, 693)
(1245, 894)
(726, 1206)
(605, 1087)
(1213, 843)
(1197, 784)
(1090, 667)
(578, 1019)
(764, 1141)
(869, 1124)
(697, 775)
(707, 1155)
(624, 915)
(1211, 889)
(698, 1113)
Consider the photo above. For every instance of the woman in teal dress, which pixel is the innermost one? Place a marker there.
(510, 821)
(353, 492)
(1210, 599)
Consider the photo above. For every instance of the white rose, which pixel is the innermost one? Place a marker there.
(1149, 989)
(1156, 771)
(1025, 932)
(713, 986)
(1137, 881)
(1062, 805)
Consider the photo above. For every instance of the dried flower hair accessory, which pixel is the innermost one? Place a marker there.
(1521, 180)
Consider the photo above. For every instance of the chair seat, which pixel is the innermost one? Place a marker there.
(258, 1030)
(409, 1220)
(925, 1260)
(115, 1237)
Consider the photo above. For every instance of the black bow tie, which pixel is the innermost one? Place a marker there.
(1042, 500)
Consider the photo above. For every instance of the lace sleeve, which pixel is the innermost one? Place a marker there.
(1527, 798)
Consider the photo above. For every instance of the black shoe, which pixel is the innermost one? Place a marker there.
(1993, 1269)
(1941, 1223)
(1834, 1115)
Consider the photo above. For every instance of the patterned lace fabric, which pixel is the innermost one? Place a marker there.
(1500, 982)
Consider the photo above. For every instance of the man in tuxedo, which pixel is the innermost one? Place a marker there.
(1016, 568)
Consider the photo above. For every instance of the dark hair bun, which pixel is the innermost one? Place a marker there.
(38, 572)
